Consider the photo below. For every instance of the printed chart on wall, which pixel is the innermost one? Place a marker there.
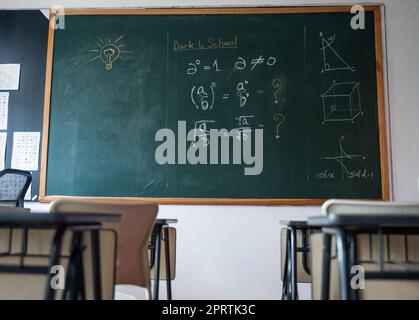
(25, 155)
(305, 85)
(4, 109)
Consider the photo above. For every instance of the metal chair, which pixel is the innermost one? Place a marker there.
(13, 186)
(295, 257)
(389, 256)
(162, 253)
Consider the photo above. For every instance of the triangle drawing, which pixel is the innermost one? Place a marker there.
(332, 60)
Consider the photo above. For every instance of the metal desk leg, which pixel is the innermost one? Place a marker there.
(167, 258)
(54, 260)
(289, 266)
(79, 275)
(294, 289)
(97, 281)
(285, 284)
(353, 258)
(325, 285)
(71, 289)
(152, 244)
(157, 262)
(342, 252)
(305, 248)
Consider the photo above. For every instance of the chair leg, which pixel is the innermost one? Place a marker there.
(353, 256)
(152, 247)
(54, 260)
(157, 263)
(167, 259)
(97, 279)
(75, 274)
(81, 279)
(342, 252)
(289, 266)
(68, 293)
(294, 288)
(305, 251)
(325, 285)
(285, 284)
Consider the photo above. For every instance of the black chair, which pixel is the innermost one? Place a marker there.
(13, 186)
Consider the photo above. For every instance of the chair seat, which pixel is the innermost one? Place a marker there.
(130, 292)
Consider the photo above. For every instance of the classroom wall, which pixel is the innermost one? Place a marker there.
(233, 252)
(23, 38)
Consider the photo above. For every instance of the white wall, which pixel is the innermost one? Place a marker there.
(233, 252)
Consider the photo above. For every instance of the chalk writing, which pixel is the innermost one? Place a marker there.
(210, 43)
(203, 97)
(202, 132)
(242, 93)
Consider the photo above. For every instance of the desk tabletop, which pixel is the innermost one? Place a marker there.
(294, 223)
(53, 219)
(9, 209)
(366, 220)
(165, 221)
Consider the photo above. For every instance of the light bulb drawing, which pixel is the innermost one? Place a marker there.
(108, 55)
(109, 52)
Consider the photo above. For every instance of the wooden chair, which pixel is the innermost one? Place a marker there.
(401, 251)
(132, 232)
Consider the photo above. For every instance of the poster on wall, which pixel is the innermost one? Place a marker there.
(3, 141)
(25, 153)
(4, 109)
(9, 76)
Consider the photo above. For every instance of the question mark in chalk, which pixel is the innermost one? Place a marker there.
(279, 117)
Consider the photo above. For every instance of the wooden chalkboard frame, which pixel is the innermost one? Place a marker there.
(376, 9)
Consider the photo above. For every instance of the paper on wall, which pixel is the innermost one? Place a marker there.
(9, 76)
(4, 109)
(3, 140)
(25, 153)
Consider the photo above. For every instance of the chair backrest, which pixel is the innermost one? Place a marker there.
(368, 207)
(132, 232)
(13, 185)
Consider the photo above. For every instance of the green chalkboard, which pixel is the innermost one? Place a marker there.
(295, 93)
